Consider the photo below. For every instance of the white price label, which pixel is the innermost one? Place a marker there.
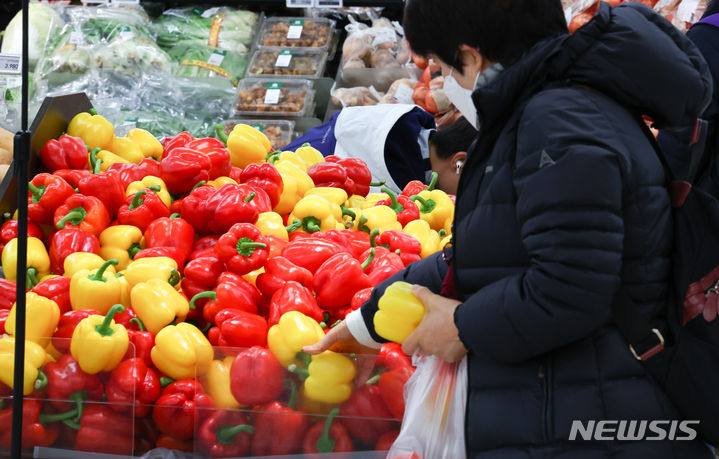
(217, 57)
(10, 64)
(257, 126)
(284, 58)
(96, 2)
(328, 3)
(208, 13)
(126, 33)
(403, 95)
(76, 37)
(299, 3)
(272, 96)
(124, 2)
(295, 30)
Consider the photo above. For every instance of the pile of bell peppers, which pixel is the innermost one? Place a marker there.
(172, 286)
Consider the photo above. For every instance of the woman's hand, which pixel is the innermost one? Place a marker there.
(339, 339)
(436, 334)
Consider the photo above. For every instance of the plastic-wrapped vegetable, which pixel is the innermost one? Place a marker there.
(196, 59)
(132, 55)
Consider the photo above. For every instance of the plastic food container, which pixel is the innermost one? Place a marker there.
(288, 62)
(296, 32)
(280, 132)
(262, 96)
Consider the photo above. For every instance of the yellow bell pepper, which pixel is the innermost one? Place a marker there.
(379, 217)
(310, 155)
(217, 384)
(126, 149)
(290, 195)
(47, 276)
(51, 352)
(435, 207)
(293, 332)
(95, 289)
(399, 313)
(247, 146)
(182, 352)
(38, 260)
(100, 160)
(251, 277)
(35, 357)
(447, 240)
(84, 260)
(148, 144)
(271, 223)
(158, 304)
(125, 290)
(329, 377)
(98, 343)
(93, 129)
(290, 157)
(121, 242)
(427, 237)
(144, 269)
(150, 181)
(372, 199)
(304, 182)
(315, 213)
(334, 195)
(356, 201)
(220, 181)
(43, 315)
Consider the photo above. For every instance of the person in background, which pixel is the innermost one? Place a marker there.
(561, 202)
(448, 149)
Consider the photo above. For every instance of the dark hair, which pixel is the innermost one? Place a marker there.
(502, 30)
(458, 136)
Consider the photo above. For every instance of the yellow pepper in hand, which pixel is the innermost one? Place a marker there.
(247, 146)
(95, 289)
(315, 213)
(38, 261)
(144, 269)
(98, 343)
(182, 352)
(126, 149)
(427, 237)
(290, 195)
(158, 304)
(271, 223)
(329, 377)
(148, 144)
(310, 155)
(35, 357)
(155, 184)
(43, 316)
(121, 242)
(435, 207)
(293, 332)
(379, 217)
(93, 129)
(84, 260)
(399, 313)
(217, 384)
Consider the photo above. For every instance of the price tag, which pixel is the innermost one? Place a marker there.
(76, 37)
(328, 3)
(217, 57)
(284, 58)
(10, 64)
(257, 126)
(272, 96)
(126, 33)
(295, 31)
(210, 12)
(124, 2)
(299, 3)
(96, 2)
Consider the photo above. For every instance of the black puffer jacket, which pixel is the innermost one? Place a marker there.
(561, 202)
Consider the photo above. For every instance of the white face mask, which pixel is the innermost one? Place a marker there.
(462, 98)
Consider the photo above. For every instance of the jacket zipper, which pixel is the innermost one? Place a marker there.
(546, 375)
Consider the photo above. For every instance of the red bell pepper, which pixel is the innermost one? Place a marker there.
(146, 435)
(182, 168)
(392, 357)
(278, 271)
(45, 194)
(177, 407)
(416, 187)
(170, 252)
(293, 296)
(405, 208)
(243, 248)
(277, 245)
(102, 430)
(106, 187)
(237, 328)
(357, 171)
(4, 313)
(216, 152)
(256, 377)
(265, 177)
(193, 208)
(357, 301)
(310, 253)
(65, 378)
(337, 236)
(142, 343)
(201, 275)
(327, 437)
(384, 265)
(87, 213)
(71, 176)
(180, 140)
(34, 433)
(363, 412)
(231, 292)
(141, 209)
(67, 152)
(226, 434)
(205, 247)
(391, 388)
(171, 232)
(338, 279)
(276, 417)
(408, 246)
(128, 172)
(170, 442)
(354, 241)
(133, 385)
(233, 204)
(68, 241)
(66, 327)
(7, 293)
(386, 440)
(9, 231)
(329, 174)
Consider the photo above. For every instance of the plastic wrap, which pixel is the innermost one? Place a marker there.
(305, 62)
(355, 97)
(282, 97)
(380, 46)
(196, 59)
(296, 32)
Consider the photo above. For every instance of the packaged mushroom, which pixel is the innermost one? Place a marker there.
(288, 62)
(296, 32)
(257, 96)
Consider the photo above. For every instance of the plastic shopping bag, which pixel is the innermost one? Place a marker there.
(435, 401)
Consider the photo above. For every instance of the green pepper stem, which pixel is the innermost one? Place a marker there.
(306, 144)
(175, 215)
(273, 159)
(362, 224)
(93, 112)
(311, 225)
(41, 380)
(71, 417)
(373, 237)
(296, 224)
(104, 328)
(325, 444)
(31, 278)
(134, 248)
(290, 384)
(271, 154)
(442, 232)
(209, 294)
(100, 274)
(154, 188)
(37, 191)
(174, 277)
(75, 217)
(433, 182)
(380, 183)
(139, 323)
(94, 162)
(72, 424)
(166, 381)
(137, 200)
(198, 184)
(373, 380)
(44, 418)
(246, 246)
(428, 205)
(369, 259)
(220, 131)
(226, 435)
(395, 205)
(339, 321)
(250, 197)
(349, 213)
(303, 373)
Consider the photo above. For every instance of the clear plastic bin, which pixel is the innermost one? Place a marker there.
(281, 97)
(288, 62)
(296, 32)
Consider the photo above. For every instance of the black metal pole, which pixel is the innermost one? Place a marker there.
(21, 158)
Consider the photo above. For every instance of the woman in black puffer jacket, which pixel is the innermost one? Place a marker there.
(561, 202)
